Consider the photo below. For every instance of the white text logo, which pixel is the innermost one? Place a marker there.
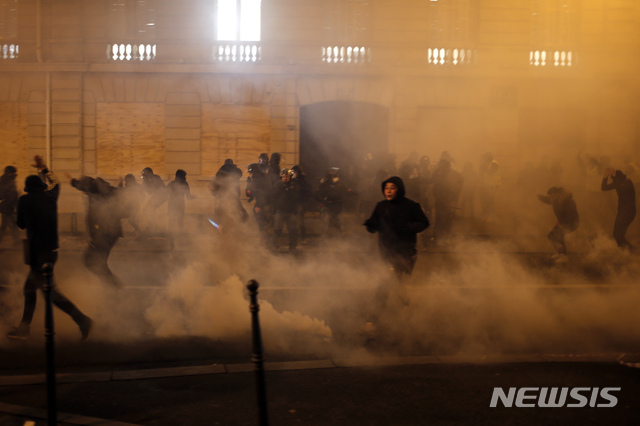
(555, 397)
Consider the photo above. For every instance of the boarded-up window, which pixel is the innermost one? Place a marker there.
(239, 132)
(14, 137)
(130, 137)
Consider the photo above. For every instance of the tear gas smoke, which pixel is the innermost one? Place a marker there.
(476, 296)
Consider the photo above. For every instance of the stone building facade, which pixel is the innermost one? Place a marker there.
(107, 87)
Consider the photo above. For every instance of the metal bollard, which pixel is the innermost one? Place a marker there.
(258, 358)
(47, 272)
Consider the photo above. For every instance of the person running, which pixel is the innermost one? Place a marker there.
(38, 214)
(397, 220)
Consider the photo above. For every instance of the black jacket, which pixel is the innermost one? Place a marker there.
(398, 221)
(564, 208)
(38, 214)
(104, 212)
(626, 193)
(285, 196)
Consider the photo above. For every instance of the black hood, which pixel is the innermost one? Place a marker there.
(398, 183)
(33, 183)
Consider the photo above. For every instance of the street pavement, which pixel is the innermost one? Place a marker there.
(192, 380)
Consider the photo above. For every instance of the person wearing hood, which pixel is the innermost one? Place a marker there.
(566, 213)
(104, 225)
(38, 214)
(9, 203)
(397, 220)
(626, 204)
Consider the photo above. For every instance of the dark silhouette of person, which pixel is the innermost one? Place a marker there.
(103, 222)
(258, 191)
(9, 203)
(332, 194)
(626, 204)
(564, 207)
(178, 190)
(38, 213)
(397, 220)
(225, 188)
(305, 197)
(157, 191)
(286, 197)
(131, 197)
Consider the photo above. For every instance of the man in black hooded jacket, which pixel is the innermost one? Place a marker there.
(38, 214)
(397, 219)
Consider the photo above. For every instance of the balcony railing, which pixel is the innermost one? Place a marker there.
(9, 51)
(450, 56)
(237, 52)
(555, 58)
(131, 52)
(346, 54)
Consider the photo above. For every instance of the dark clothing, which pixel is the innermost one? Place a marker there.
(258, 190)
(38, 214)
(155, 187)
(104, 212)
(626, 206)
(35, 280)
(566, 213)
(305, 196)
(565, 209)
(286, 197)
(104, 225)
(332, 193)
(398, 221)
(225, 188)
(178, 190)
(131, 196)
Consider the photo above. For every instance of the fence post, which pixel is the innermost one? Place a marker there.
(258, 358)
(47, 272)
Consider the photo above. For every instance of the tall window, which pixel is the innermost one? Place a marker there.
(238, 30)
(347, 31)
(452, 32)
(132, 29)
(554, 32)
(9, 48)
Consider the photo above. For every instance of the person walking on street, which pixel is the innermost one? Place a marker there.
(38, 214)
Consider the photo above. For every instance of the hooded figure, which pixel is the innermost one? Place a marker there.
(626, 204)
(397, 219)
(38, 214)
